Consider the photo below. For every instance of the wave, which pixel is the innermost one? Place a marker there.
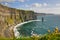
(16, 33)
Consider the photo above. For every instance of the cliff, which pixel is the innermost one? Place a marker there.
(9, 17)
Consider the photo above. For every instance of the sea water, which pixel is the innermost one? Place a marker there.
(39, 27)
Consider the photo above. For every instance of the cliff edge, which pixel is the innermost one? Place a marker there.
(9, 17)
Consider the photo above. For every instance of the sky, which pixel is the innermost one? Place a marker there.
(40, 6)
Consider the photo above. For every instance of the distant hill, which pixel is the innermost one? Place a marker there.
(39, 14)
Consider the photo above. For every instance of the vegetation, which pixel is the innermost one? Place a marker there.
(46, 37)
(51, 36)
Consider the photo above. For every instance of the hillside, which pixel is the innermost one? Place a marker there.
(9, 17)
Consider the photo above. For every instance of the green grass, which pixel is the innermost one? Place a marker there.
(2, 38)
(51, 36)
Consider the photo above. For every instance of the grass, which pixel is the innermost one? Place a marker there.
(51, 36)
(2, 38)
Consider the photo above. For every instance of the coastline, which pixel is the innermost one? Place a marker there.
(16, 33)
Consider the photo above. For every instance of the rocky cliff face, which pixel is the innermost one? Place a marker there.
(9, 17)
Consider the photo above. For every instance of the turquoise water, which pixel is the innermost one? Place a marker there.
(39, 27)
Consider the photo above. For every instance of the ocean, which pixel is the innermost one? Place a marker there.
(38, 27)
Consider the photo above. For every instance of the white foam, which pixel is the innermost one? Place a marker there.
(16, 33)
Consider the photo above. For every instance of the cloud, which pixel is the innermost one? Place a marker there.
(54, 10)
(39, 5)
(26, 5)
(5, 4)
(13, 0)
(36, 5)
(7, 0)
(22, 0)
(44, 8)
(45, 4)
(58, 4)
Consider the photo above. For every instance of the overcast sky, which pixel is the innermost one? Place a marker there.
(41, 6)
